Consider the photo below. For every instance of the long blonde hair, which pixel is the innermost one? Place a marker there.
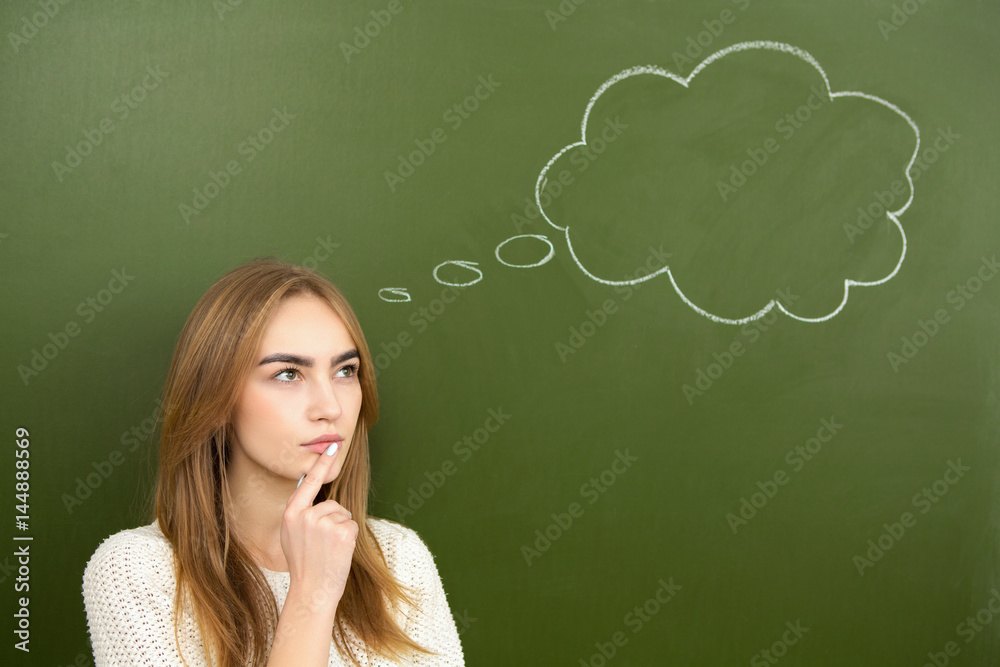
(234, 606)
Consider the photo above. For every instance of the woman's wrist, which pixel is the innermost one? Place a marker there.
(305, 629)
(314, 603)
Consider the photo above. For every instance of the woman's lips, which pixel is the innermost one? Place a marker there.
(322, 443)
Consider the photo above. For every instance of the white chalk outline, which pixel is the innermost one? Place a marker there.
(397, 291)
(465, 265)
(552, 251)
(685, 81)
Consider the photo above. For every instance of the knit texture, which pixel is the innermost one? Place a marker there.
(129, 584)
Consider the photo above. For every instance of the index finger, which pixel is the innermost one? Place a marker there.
(311, 482)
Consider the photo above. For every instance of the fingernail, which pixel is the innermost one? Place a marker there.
(332, 449)
(300, 480)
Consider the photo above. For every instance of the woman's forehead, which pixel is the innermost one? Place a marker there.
(303, 323)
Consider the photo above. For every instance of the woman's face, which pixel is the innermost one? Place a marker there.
(302, 389)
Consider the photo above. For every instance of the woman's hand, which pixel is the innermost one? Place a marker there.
(318, 542)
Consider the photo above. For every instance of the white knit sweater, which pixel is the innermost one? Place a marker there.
(128, 590)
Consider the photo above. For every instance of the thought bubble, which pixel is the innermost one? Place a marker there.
(742, 174)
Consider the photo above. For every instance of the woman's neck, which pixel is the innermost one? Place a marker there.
(258, 501)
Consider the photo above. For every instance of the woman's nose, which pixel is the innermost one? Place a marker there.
(325, 403)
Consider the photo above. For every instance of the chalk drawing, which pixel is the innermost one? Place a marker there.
(685, 81)
(405, 296)
(465, 265)
(399, 294)
(552, 251)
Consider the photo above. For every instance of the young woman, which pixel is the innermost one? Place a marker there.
(262, 551)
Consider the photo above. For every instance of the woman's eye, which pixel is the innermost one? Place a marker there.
(348, 371)
(287, 375)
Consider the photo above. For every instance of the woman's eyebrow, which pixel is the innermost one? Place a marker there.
(306, 362)
(350, 354)
(286, 358)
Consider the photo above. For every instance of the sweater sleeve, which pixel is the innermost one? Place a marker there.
(128, 592)
(431, 625)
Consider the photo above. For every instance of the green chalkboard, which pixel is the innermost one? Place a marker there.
(685, 314)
